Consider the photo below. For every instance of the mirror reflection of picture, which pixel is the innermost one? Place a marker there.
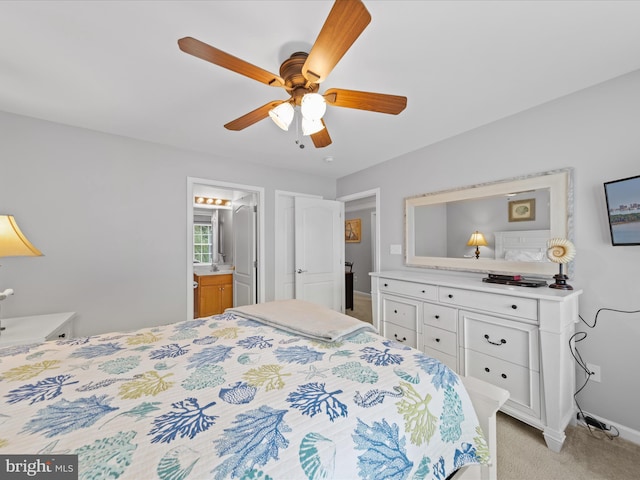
(352, 230)
(522, 210)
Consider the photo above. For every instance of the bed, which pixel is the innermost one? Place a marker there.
(522, 245)
(242, 395)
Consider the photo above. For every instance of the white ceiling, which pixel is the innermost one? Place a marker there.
(114, 66)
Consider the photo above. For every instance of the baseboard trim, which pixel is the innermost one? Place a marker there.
(627, 433)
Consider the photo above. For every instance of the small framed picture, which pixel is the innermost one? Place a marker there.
(522, 210)
(352, 230)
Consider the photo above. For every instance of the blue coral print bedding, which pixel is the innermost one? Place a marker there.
(228, 398)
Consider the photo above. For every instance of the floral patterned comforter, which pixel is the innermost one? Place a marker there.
(227, 397)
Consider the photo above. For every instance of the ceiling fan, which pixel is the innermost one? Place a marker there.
(302, 73)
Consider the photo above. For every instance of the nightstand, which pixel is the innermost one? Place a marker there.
(36, 329)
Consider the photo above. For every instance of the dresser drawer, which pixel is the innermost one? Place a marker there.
(449, 360)
(411, 289)
(439, 339)
(65, 332)
(402, 335)
(402, 312)
(510, 340)
(522, 383)
(440, 316)
(492, 302)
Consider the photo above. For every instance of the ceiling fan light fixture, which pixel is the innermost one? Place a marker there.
(309, 127)
(313, 106)
(282, 115)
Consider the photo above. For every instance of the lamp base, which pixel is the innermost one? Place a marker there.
(561, 282)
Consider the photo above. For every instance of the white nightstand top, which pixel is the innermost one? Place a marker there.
(32, 329)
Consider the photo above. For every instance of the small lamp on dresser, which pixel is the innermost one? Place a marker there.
(477, 240)
(13, 243)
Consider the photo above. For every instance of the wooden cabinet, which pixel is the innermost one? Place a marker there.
(212, 295)
(516, 338)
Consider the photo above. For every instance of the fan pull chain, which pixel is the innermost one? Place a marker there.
(298, 119)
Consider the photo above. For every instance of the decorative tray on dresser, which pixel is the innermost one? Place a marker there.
(514, 337)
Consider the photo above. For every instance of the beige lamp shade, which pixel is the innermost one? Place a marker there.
(477, 240)
(13, 243)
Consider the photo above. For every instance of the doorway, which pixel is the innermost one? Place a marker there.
(249, 281)
(362, 255)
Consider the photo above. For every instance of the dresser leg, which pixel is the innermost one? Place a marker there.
(554, 439)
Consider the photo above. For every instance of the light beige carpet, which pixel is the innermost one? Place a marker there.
(361, 307)
(523, 455)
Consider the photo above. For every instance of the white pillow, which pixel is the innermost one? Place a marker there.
(524, 256)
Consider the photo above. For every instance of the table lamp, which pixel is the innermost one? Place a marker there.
(477, 240)
(13, 243)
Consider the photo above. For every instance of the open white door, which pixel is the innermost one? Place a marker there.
(244, 251)
(319, 252)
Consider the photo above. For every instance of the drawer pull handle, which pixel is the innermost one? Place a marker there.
(502, 341)
(386, 284)
(424, 291)
(404, 339)
(62, 335)
(395, 311)
(437, 340)
(437, 317)
(515, 307)
(504, 375)
(487, 369)
(450, 296)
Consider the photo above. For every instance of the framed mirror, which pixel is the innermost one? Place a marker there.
(497, 227)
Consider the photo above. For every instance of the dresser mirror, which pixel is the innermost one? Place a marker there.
(515, 216)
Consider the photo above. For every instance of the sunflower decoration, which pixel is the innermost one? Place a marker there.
(560, 251)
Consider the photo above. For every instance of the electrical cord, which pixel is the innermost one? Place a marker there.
(592, 424)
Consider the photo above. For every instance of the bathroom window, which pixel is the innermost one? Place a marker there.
(202, 246)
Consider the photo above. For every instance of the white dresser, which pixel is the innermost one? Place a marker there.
(514, 337)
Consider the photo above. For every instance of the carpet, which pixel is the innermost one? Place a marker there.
(523, 454)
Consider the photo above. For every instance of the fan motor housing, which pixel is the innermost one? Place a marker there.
(294, 81)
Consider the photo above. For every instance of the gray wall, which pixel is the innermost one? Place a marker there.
(596, 132)
(109, 214)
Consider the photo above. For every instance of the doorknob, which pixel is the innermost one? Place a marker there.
(300, 270)
(195, 284)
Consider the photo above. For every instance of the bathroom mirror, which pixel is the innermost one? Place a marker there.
(212, 236)
(516, 217)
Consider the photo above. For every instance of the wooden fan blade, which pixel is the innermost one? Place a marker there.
(321, 139)
(255, 116)
(374, 102)
(346, 21)
(218, 57)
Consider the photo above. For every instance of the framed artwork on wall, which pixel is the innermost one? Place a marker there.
(352, 230)
(522, 210)
(623, 206)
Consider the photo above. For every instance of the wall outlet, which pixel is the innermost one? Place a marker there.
(595, 372)
(395, 249)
